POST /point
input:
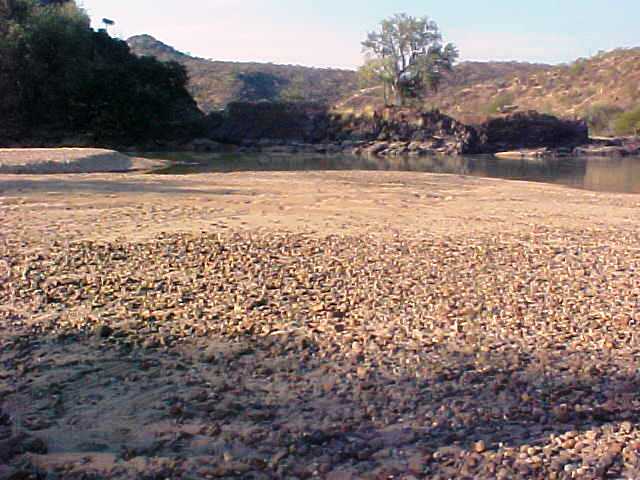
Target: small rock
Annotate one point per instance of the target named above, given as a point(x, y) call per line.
point(417, 464)
point(104, 331)
point(479, 447)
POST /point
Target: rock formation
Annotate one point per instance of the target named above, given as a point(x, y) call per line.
point(390, 131)
point(525, 130)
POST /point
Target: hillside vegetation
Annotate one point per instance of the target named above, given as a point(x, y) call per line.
point(604, 89)
point(464, 74)
point(214, 84)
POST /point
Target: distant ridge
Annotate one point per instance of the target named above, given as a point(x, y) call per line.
point(214, 84)
point(599, 89)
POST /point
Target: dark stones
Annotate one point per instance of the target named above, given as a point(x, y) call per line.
point(406, 131)
point(531, 129)
point(19, 445)
point(300, 127)
point(104, 331)
point(206, 145)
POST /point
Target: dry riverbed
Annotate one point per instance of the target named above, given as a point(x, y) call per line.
point(333, 325)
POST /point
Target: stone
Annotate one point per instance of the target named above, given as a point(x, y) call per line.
point(205, 145)
point(104, 331)
point(417, 464)
point(479, 447)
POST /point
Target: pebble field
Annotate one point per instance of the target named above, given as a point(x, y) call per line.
point(389, 349)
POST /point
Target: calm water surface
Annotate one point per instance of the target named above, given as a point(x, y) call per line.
point(620, 175)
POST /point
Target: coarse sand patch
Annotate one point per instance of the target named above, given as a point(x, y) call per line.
point(70, 160)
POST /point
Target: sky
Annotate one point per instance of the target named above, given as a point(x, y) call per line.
point(328, 33)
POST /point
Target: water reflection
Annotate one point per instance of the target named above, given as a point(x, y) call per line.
point(607, 175)
point(614, 175)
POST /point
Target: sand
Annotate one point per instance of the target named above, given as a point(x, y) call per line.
point(70, 160)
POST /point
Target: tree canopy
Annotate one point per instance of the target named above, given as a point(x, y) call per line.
point(407, 55)
point(61, 78)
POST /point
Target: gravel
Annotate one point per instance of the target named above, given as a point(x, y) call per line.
point(279, 355)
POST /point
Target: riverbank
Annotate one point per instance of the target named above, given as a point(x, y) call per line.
point(70, 160)
point(317, 324)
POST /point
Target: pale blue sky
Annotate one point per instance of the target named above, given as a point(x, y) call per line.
point(328, 32)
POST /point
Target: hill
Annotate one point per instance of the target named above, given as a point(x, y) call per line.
point(214, 84)
point(464, 74)
point(604, 89)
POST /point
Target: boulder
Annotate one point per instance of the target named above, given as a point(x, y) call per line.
point(607, 151)
point(535, 154)
point(408, 125)
point(205, 145)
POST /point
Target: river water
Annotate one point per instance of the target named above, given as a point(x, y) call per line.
point(621, 175)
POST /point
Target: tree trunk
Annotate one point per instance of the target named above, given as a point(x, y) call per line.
point(6, 8)
point(398, 98)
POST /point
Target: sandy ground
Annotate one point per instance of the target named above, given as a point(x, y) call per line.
point(333, 325)
point(70, 160)
point(133, 206)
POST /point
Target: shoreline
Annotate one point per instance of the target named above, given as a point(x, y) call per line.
point(71, 160)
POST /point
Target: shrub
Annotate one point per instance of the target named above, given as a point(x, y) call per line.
point(628, 123)
point(601, 118)
point(578, 67)
point(499, 102)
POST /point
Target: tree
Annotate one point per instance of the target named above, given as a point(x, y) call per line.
point(60, 78)
point(407, 55)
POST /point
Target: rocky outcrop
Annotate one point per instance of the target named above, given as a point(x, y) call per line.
point(250, 122)
point(307, 127)
point(411, 132)
point(610, 147)
point(531, 130)
point(414, 133)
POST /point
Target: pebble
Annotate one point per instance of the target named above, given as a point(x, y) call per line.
point(337, 350)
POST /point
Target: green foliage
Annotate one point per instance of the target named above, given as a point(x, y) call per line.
point(628, 123)
point(601, 118)
point(64, 77)
point(578, 67)
point(499, 102)
point(409, 56)
point(372, 73)
point(260, 86)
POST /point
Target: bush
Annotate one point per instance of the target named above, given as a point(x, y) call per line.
point(628, 123)
point(578, 67)
point(601, 118)
point(499, 102)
